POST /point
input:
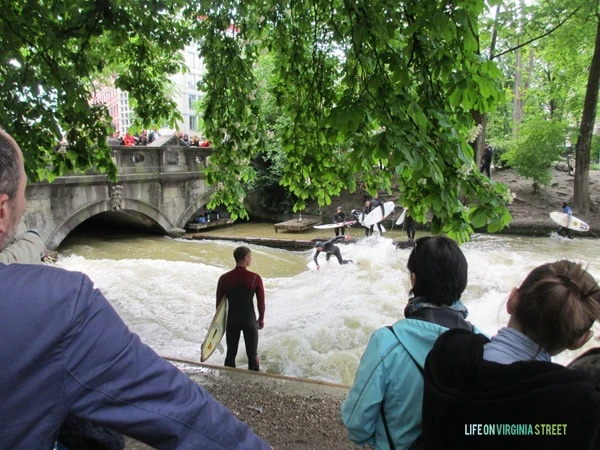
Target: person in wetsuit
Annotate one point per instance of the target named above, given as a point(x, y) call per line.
point(377, 203)
point(564, 231)
point(409, 224)
point(339, 217)
point(240, 285)
point(330, 248)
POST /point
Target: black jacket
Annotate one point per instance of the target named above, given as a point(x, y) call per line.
point(472, 403)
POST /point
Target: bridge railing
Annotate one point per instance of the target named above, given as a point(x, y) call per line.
point(147, 159)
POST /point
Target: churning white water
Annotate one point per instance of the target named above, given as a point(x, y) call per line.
point(317, 324)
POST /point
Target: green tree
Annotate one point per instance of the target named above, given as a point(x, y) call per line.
point(52, 52)
point(536, 151)
point(380, 90)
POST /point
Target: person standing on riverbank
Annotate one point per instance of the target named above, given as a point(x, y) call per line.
point(565, 231)
point(383, 407)
point(74, 355)
point(339, 217)
point(239, 286)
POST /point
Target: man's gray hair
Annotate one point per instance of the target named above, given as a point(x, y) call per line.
point(10, 169)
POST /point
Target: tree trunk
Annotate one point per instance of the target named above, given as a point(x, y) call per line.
point(518, 85)
point(481, 119)
point(517, 101)
point(581, 198)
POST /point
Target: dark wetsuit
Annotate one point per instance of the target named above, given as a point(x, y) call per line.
point(240, 285)
point(339, 217)
point(330, 249)
point(376, 203)
point(409, 224)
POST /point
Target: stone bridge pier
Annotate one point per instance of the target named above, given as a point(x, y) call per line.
point(160, 186)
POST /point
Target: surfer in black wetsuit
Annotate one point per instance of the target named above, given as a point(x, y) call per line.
point(409, 224)
point(377, 203)
point(339, 217)
point(330, 248)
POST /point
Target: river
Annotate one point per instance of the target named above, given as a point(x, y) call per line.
point(317, 324)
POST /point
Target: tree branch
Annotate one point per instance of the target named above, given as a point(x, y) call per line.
point(537, 38)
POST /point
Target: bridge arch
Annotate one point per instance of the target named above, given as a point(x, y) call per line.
point(191, 210)
point(142, 211)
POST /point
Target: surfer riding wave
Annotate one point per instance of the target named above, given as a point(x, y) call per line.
point(330, 248)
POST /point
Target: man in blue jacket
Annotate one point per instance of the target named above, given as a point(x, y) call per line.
point(66, 351)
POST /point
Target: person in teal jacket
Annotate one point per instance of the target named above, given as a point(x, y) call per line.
point(383, 407)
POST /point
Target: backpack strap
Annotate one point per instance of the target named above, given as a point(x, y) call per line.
point(385, 425)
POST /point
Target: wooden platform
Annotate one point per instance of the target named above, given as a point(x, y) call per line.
point(193, 227)
point(297, 224)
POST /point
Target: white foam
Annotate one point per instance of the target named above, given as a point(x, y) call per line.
point(317, 323)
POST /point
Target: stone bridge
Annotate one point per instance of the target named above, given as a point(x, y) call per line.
point(160, 186)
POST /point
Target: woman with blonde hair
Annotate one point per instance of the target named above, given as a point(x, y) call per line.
point(505, 392)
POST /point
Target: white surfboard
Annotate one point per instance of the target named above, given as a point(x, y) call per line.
point(376, 214)
point(562, 219)
point(216, 330)
point(311, 265)
point(401, 218)
point(327, 226)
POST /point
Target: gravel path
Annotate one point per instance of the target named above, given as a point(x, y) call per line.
point(287, 413)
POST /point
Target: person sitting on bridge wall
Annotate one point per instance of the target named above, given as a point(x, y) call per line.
point(74, 355)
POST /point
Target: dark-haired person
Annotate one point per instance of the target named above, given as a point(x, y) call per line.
point(329, 248)
point(509, 382)
point(339, 217)
point(65, 351)
point(240, 285)
point(383, 407)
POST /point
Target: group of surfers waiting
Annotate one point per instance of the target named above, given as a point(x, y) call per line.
point(329, 248)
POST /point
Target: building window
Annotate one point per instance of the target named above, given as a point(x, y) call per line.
point(192, 81)
point(191, 100)
point(192, 122)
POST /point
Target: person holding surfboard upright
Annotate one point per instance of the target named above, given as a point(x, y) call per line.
point(564, 231)
point(383, 407)
point(339, 217)
point(377, 203)
point(330, 248)
point(239, 286)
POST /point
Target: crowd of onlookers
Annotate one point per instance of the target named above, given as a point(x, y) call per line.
point(148, 136)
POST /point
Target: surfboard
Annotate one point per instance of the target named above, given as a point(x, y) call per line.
point(311, 265)
point(562, 219)
point(215, 332)
point(401, 218)
point(327, 226)
point(376, 215)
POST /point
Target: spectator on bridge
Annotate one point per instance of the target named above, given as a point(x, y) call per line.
point(153, 135)
point(128, 139)
point(118, 137)
point(143, 138)
point(185, 140)
point(75, 356)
